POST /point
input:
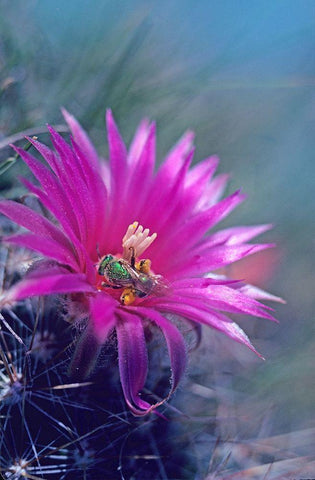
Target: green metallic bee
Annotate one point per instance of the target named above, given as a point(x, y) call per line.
point(134, 277)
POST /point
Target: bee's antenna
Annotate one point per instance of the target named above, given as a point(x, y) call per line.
point(133, 257)
point(98, 251)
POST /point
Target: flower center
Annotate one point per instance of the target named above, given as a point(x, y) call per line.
point(127, 273)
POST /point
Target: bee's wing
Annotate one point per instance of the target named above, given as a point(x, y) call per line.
point(136, 280)
point(125, 282)
point(160, 286)
point(142, 282)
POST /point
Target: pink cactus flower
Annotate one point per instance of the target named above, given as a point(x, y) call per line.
point(129, 246)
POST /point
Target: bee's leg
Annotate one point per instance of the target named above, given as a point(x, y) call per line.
point(128, 296)
point(140, 294)
point(133, 257)
point(144, 266)
point(110, 286)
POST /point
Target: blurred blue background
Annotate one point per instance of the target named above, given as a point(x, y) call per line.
point(242, 76)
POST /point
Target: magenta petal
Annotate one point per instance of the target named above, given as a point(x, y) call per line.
point(57, 210)
point(77, 248)
point(81, 138)
point(52, 189)
point(175, 345)
point(40, 268)
point(84, 182)
point(216, 257)
point(117, 152)
point(194, 228)
point(80, 190)
point(138, 142)
point(102, 310)
point(67, 196)
point(171, 175)
point(36, 223)
point(73, 183)
point(45, 283)
point(210, 217)
point(219, 297)
point(234, 331)
point(62, 187)
point(174, 160)
point(50, 156)
point(168, 202)
point(196, 182)
point(133, 361)
point(139, 182)
point(214, 191)
point(61, 216)
point(188, 283)
point(216, 320)
point(119, 175)
point(202, 171)
point(47, 247)
point(86, 353)
point(174, 206)
point(96, 198)
point(224, 324)
point(259, 294)
point(233, 236)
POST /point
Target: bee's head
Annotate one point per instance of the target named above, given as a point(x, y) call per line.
point(103, 264)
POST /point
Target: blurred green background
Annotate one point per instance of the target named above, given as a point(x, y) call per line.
point(242, 76)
